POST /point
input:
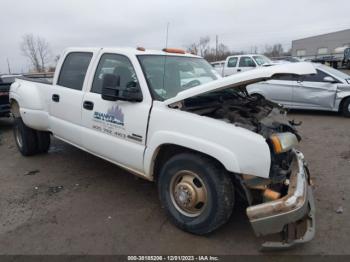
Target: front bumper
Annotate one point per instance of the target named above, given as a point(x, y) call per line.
point(293, 215)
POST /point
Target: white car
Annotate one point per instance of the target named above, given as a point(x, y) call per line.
point(240, 63)
point(328, 89)
point(165, 116)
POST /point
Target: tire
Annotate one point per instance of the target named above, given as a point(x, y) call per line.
point(207, 178)
point(25, 137)
point(44, 141)
point(345, 107)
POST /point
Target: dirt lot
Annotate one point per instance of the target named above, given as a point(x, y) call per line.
point(75, 203)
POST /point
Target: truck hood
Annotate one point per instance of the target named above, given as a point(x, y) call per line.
point(244, 78)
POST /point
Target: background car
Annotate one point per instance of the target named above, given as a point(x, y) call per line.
point(5, 83)
point(329, 89)
point(240, 63)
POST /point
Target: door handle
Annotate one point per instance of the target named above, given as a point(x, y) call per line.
point(88, 105)
point(239, 70)
point(55, 98)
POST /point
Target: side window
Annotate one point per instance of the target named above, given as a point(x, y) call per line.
point(246, 61)
point(286, 77)
point(74, 69)
point(315, 77)
point(117, 65)
point(232, 62)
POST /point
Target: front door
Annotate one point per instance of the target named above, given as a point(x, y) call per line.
point(115, 130)
point(245, 63)
point(314, 92)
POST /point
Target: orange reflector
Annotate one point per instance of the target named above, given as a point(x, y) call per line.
point(271, 195)
point(141, 48)
point(276, 144)
point(174, 50)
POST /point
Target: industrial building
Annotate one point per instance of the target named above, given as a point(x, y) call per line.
point(321, 45)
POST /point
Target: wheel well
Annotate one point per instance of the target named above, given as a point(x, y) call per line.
point(166, 151)
point(342, 102)
point(14, 108)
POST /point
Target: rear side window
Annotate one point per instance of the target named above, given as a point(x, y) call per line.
point(286, 77)
point(232, 62)
point(74, 69)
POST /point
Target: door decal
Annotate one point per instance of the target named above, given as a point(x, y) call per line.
point(114, 115)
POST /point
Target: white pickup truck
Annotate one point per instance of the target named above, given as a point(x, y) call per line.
point(240, 63)
point(167, 117)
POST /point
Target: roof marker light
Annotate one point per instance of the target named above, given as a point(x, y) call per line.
point(174, 50)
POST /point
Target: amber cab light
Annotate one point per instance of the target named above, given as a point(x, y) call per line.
point(174, 50)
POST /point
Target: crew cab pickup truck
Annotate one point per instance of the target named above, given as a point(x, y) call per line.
point(167, 117)
point(240, 63)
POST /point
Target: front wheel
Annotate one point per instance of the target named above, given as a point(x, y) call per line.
point(345, 109)
point(196, 192)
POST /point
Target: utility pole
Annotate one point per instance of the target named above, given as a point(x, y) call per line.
point(216, 47)
point(167, 35)
point(8, 66)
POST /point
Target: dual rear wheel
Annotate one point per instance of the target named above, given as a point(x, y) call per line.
point(30, 141)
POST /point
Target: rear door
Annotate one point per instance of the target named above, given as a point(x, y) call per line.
point(314, 92)
point(67, 95)
point(230, 67)
point(245, 63)
point(116, 130)
point(279, 89)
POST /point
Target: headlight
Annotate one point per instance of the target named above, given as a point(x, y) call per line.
point(283, 142)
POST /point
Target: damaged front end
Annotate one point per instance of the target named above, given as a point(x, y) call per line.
point(292, 215)
point(283, 203)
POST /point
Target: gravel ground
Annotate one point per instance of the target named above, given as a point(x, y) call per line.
point(70, 202)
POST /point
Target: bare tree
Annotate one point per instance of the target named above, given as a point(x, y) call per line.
point(203, 45)
point(274, 51)
point(37, 50)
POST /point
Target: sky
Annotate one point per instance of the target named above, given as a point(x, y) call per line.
point(239, 24)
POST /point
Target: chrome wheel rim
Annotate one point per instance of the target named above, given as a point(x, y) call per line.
point(188, 193)
point(18, 136)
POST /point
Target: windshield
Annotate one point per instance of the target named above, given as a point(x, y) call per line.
point(334, 72)
point(260, 60)
point(169, 75)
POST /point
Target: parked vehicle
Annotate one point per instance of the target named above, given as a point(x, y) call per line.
point(240, 63)
point(165, 116)
point(5, 83)
point(340, 57)
point(328, 89)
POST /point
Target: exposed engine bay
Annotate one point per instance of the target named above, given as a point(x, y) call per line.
point(238, 107)
point(254, 113)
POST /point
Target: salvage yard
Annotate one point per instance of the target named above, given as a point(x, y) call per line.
point(70, 202)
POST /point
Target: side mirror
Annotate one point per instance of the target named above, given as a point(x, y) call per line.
point(329, 79)
point(111, 90)
point(110, 86)
point(132, 92)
